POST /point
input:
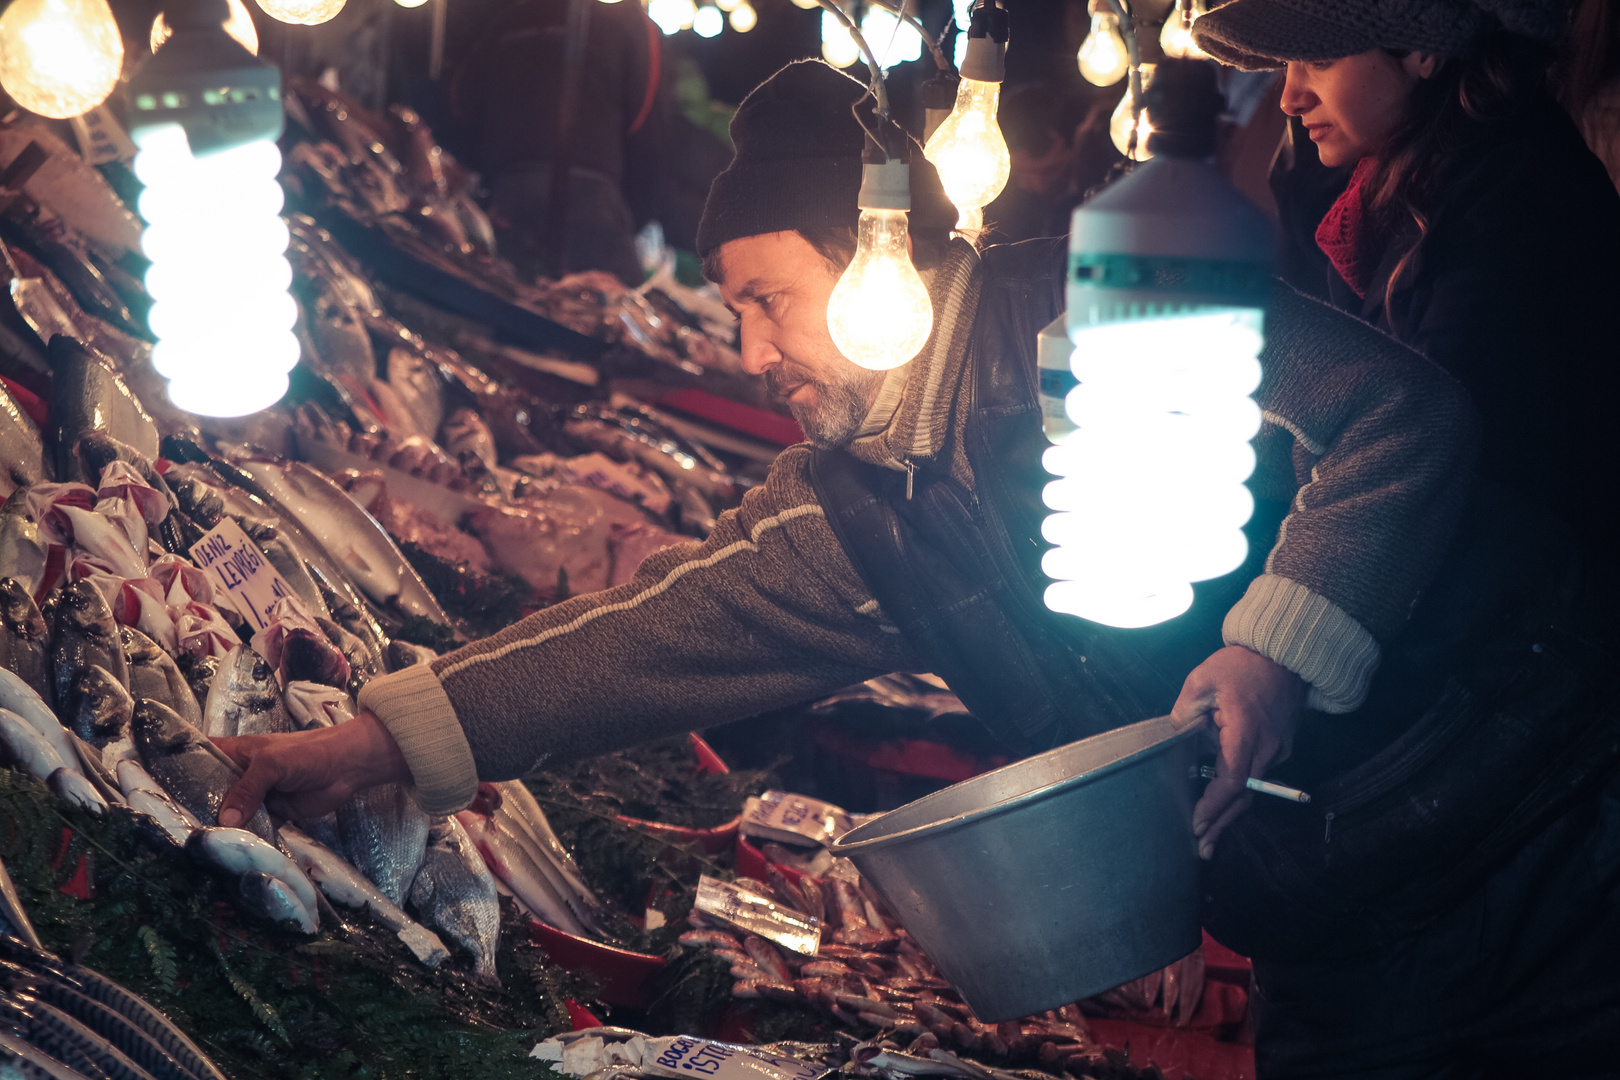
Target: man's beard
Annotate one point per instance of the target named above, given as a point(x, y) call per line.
point(841, 405)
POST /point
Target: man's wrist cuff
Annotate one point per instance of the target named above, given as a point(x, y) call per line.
point(1309, 635)
point(417, 712)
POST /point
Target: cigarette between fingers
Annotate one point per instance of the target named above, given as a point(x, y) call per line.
point(1264, 787)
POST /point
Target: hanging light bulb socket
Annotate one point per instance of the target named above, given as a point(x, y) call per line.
point(206, 82)
point(938, 95)
point(986, 59)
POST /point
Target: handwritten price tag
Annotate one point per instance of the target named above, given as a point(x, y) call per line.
point(241, 571)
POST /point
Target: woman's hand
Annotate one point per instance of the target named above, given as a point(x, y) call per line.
point(1255, 705)
point(310, 773)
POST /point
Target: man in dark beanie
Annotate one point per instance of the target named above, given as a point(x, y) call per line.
point(905, 535)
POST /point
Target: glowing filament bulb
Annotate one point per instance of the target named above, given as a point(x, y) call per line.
point(1150, 496)
point(879, 312)
point(969, 151)
point(1127, 120)
point(59, 58)
point(1176, 38)
point(744, 18)
point(301, 12)
point(1103, 60)
point(239, 26)
point(219, 274)
point(807, 5)
point(708, 22)
point(838, 46)
point(419, 3)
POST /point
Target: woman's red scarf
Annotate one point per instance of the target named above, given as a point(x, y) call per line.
point(1342, 235)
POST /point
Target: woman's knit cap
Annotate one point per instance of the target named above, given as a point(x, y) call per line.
point(798, 161)
point(1259, 34)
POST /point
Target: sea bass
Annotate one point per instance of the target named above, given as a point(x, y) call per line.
point(346, 886)
point(154, 674)
point(384, 834)
point(99, 711)
point(244, 699)
point(237, 851)
point(183, 760)
point(147, 796)
point(455, 893)
point(84, 634)
point(24, 637)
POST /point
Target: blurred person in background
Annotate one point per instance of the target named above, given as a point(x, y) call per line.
point(1044, 188)
point(1589, 79)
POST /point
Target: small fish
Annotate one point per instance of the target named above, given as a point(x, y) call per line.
point(22, 744)
point(345, 885)
point(154, 674)
point(244, 699)
point(67, 1040)
point(271, 898)
point(188, 766)
point(384, 834)
point(24, 637)
point(122, 1031)
point(23, 702)
point(147, 796)
point(519, 801)
point(87, 395)
point(237, 851)
point(455, 893)
point(22, 550)
point(84, 634)
point(200, 672)
point(584, 904)
point(70, 784)
point(99, 708)
point(509, 862)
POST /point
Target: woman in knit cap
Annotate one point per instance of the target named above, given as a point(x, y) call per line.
point(1432, 186)
point(1451, 911)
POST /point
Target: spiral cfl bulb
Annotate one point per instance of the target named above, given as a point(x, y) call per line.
point(968, 149)
point(239, 26)
point(302, 12)
point(1102, 56)
point(219, 274)
point(59, 58)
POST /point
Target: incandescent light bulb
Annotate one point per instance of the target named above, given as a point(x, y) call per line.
point(744, 18)
point(419, 3)
point(1103, 59)
point(1176, 38)
point(968, 149)
point(59, 58)
point(239, 26)
point(1125, 120)
point(807, 5)
point(301, 12)
point(879, 312)
point(707, 22)
point(838, 46)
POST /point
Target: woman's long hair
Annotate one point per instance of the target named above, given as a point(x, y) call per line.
point(1452, 112)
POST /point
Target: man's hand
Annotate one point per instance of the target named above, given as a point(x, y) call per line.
point(1255, 705)
point(309, 773)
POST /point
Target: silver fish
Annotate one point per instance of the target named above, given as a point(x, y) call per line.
point(455, 893)
point(200, 673)
point(122, 1031)
point(147, 796)
point(154, 674)
point(23, 1061)
point(99, 708)
point(88, 395)
point(511, 863)
point(581, 901)
point(22, 451)
point(70, 784)
point(83, 634)
point(345, 885)
point(22, 551)
point(244, 698)
point(237, 851)
point(519, 801)
point(188, 766)
point(271, 898)
point(384, 834)
point(70, 1042)
point(20, 743)
point(28, 706)
point(363, 666)
point(350, 536)
point(24, 637)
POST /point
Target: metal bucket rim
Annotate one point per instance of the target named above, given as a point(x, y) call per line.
point(844, 846)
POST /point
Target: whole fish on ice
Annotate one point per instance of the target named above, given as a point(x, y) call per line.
point(244, 699)
point(455, 893)
point(21, 701)
point(154, 674)
point(24, 637)
point(84, 633)
point(237, 851)
point(22, 548)
point(99, 711)
point(182, 759)
point(147, 796)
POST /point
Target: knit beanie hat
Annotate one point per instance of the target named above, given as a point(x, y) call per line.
point(1258, 34)
point(798, 161)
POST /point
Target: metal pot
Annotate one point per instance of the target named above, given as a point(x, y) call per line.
point(1050, 879)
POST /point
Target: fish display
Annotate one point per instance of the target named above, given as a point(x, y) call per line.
point(22, 550)
point(154, 674)
point(384, 834)
point(89, 395)
point(72, 785)
point(182, 759)
point(147, 796)
point(238, 851)
point(24, 637)
point(22, 451)
point(454, 891)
